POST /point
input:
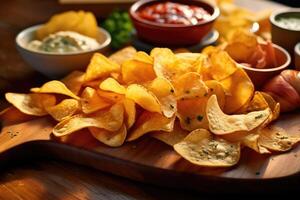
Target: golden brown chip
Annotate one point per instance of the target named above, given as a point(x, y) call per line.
point(91, 101)
point(258, 102)
point(123, 55)
point(202, 149)
point(136, 71)
point(149, 122)
point(275, 138)
point(54, 87)
point(222, 124)
point(31, 104)
point(66, 108)
point(100, 67)
point(143, 97)
point(239, 89)
point(192, 112)
point(74, 81)
point(112, 139)
point(112, 85)
point(110, 120)
point(190, 85)
point(130, 112)
point(110, 96)
point(164, 91)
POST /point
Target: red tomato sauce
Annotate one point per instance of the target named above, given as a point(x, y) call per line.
point(174, 13)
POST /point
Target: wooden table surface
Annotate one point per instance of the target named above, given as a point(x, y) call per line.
point(49, 179)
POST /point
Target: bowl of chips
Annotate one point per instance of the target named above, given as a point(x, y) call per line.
point(61, 45)
point(169, 26)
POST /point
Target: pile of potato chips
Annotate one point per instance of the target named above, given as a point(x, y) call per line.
point(202, 104)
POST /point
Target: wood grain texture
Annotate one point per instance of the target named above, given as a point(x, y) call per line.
point(148, 160)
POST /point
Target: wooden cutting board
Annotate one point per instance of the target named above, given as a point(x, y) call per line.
point(148, 160)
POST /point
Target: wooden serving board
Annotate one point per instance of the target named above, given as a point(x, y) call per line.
point(151, 161)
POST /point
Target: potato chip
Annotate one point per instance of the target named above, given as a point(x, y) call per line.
point(130, 112)
point(148, 122)
point(81, 22)
point(112, 85)
point(222, 66)
point(240, 90)
point(112, 139)
point(134, 71)
point(190, 85)
point(274, 106)
point(74, 81)
point(251, 141)
point(221, 124)
point(100, 67)
point(91, 101)
point(111, 96)
point(66, 108)
point(275, 138)
point(111, 120)
point(192, 112)
point(202, 149)
point(164, 91)
point(31, 104)
point(258, 102)
point(55, 87)
point(143, 97)
point(123, 55)
point(173, 137)
point(143, 57)
point(165, 63)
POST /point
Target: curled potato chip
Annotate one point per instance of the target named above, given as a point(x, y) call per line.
point(143, 97)
point(110, 120)
point(66, 108)
point(164, 91)
point(130, 112)
point(74, 81)
point(240, 90)
point(251, 141)
point(55, 87)
point(275, 138)
point(91, 101)
point(136, 71)
point(173, 137)
point(148, 122)
point(123, 55)
point(222, 66)
point(112, 139)
point(100, 67)
point(221, 124)
point(112, 85)
point(190, 85)
point(192, 112)
point(201, 148)
point(31, 104)
point(273, 105)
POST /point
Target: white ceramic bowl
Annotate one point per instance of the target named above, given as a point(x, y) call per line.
point(54, 65)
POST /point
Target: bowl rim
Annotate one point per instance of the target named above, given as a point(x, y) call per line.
point(33, 28)
point(134, 7)
point(281, 67)
point(282, 11)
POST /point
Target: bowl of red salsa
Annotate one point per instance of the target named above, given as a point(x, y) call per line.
point(173, 22)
